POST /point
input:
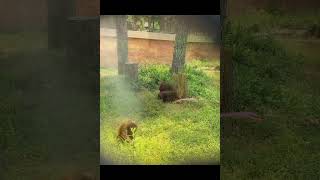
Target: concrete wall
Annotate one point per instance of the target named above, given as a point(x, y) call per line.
point(153, 48)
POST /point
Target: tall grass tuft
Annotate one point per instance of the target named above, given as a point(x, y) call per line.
point(180, 80)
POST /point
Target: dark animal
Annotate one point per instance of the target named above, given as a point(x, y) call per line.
point(125, 131)
point(165, 86)
point(167, 92)
point(167, 96)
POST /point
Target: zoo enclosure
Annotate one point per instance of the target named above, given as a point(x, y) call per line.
point(154, 48)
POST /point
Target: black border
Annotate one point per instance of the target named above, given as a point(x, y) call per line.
point(160, 172)
point(159, 7)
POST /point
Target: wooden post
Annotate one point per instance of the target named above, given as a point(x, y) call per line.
point(131, 70)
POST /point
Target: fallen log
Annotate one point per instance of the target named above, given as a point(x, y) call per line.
point(242, 115)
point(186, 100)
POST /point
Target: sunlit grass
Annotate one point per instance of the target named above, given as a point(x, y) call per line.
point(167, 139)
point(167, 133)
point(108, 72)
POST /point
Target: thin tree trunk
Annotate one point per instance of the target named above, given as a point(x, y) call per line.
point(134, 23)
point(224, 7)
point(122, 42)
point(153, 19)
point(54, 24)
point(162, 23)
point(149, 24)
point(180, 47)
point(167, 24)
point(226, 81)
point(226, 67)
point(58, 12)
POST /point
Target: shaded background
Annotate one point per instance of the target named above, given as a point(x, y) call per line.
point(270, 66)
point(49, 60)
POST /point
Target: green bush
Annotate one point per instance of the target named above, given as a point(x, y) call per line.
point(150, 76)
point(151, 105)
point(259, 63)
point(199, 83)
point(264, 20)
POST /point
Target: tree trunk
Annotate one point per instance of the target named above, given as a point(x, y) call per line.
point(153, 24)
point(167, 24)
point(162, 23)
point(83, 41)
point(150, 24)
point(180, 47)
point(58, 12)
point(226, 67)
point(134, 23)
point(122, 42)
point(226, 81)
point(224, 8)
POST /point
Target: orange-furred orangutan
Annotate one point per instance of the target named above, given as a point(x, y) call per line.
point(167, 92)
point(125, 131)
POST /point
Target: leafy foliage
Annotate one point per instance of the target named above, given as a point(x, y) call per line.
point(268, 78)
point(264, 20)
point(138, 22)
point(150, 76)
point(200, 84)
point(259, 63)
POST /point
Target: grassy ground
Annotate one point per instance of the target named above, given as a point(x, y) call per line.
point(285, 145)
point(265, 20)
point(167, 133)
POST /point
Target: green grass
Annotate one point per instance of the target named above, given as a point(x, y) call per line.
point(264, 21)
point(22, 42)
point(167, 133)
point(285, 145)
point(307, 47)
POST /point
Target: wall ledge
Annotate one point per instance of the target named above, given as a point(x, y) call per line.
point(107, 32)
